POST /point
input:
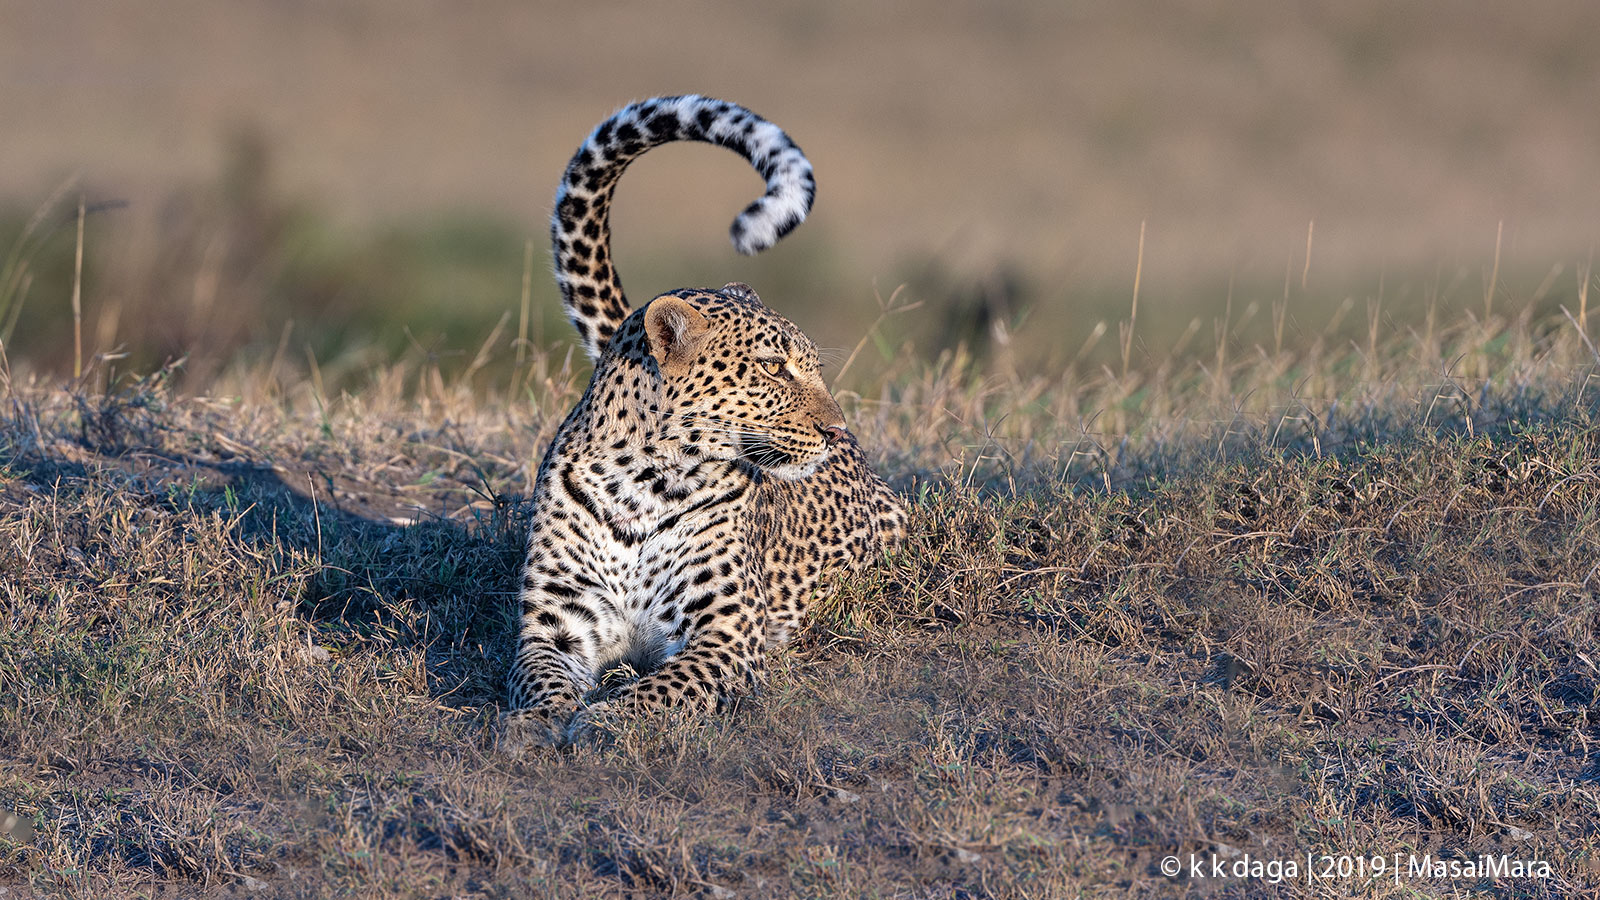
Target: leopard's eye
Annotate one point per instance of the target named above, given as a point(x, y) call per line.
point(773, 367)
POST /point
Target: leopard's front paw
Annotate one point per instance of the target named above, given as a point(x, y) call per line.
point(595, 723)
point(520, 730)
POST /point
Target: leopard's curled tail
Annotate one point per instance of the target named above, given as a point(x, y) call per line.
point(580, 228)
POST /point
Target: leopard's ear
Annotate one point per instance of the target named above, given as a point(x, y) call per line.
point(675, 330)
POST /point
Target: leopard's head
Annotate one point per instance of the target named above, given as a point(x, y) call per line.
point(741, 382)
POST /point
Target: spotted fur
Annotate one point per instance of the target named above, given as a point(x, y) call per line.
point(704, 489)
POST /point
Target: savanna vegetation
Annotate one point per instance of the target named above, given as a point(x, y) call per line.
point(1316, 574)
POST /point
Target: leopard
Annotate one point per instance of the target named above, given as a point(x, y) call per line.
point(704, 491)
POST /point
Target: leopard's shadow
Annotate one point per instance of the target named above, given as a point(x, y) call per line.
point(381, 570)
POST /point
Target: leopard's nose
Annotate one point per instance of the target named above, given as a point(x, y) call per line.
point(833, 434)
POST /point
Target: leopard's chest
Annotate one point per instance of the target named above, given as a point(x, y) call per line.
point(651, 532)
point(662, 559)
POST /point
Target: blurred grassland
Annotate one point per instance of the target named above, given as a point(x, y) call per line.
point(372, 170)
point(242, 276)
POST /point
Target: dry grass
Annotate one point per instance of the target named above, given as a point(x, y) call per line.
point(1273, 600)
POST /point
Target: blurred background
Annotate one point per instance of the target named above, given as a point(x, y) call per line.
point(352, 182)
